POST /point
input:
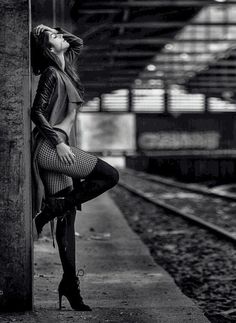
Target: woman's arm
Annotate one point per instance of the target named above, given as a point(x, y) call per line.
point(76, 44)
point(39, 111)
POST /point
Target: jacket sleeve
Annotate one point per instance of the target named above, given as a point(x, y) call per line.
point(76, 44)
point(40, 111)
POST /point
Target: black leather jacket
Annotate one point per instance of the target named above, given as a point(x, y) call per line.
point(46, 94)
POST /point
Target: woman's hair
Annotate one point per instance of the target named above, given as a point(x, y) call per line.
point(42, 57)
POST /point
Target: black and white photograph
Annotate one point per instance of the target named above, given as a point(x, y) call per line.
point(118, 161)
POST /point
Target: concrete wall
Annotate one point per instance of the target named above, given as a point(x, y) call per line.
point(15, 184)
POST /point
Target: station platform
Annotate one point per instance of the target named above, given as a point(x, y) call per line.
point(121, 283)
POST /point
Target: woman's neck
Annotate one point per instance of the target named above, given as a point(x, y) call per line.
point(62, 60)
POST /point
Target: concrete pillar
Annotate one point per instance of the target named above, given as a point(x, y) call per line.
point(15, 160)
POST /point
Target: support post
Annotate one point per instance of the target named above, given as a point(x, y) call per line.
point(16, 270)
point(166, 100)
point(130, 100)
point(101, 103)
point(206, 104)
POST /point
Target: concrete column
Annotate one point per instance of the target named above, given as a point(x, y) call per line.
point(15, 160)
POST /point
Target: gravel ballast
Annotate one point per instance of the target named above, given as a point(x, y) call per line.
point(202, 265)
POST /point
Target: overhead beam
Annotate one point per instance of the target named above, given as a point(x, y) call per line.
point(115, 64)
point(160, 63)
point(212, 83)
point(161, 24)
point(116, 72)
point(203, 72)
point(206, 90)
point(218, 72)
point(154, 4)
point(155, 41)
point(90, 49)
point(166, 74)
point(135, 53)
point(159, 40)
point(211, 78)
point(214, 71)
point(182, 64)
point(98, 11)
point(119, 54)
point(106, 85)
point(105, 68)
point(203, 79)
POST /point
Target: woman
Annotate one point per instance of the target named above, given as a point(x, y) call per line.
point(58, 165)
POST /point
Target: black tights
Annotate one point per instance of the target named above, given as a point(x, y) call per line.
point(102, 178)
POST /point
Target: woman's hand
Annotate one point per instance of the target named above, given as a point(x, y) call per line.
point(41, 28)
point(65, 154)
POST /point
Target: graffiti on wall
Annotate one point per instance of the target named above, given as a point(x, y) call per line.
point(179, 140)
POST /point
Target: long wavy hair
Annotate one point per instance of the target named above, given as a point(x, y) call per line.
point(42, 57)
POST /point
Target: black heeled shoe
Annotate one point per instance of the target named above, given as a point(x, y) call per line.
point(54, 207)
point(70, 289)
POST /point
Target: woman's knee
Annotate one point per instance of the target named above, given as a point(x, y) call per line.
point(106, 172)
point(114, 176)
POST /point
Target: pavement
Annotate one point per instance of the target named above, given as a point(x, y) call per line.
point(121, 282)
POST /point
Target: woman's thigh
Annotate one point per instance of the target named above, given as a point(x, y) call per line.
point(55, 182)
point(48, 159)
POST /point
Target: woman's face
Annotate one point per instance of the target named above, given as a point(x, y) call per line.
point(57, 42)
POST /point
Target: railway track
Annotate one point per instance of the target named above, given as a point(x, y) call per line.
point(211, 210)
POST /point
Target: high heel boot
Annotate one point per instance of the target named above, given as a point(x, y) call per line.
point(53, 207)
point(69, 287)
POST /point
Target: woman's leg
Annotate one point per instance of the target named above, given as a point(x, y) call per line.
point(102, 178)
point(58, 185)
point(65, 236)
point(98, 175)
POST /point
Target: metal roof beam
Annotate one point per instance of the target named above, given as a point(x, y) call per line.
point(209, 79)
point(98, 11)
point(106, 85)
point(105, 71)
point(206, 91)
point(135, 53)
point(153, 4)
point(212, 71)
point(117, 72)
point(99, 50)
point(157, 41)
point(161, 24)
point(212, 83)
point(119, 54)
point(161, 64)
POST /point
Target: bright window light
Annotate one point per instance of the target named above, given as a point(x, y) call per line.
point(151, 68)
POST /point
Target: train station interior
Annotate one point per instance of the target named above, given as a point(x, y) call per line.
point(159, 81)
point(164, 70)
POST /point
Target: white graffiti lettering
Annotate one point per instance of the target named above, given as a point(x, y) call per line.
point(179, 140)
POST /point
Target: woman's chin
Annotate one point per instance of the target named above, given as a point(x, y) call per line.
point(67, 45)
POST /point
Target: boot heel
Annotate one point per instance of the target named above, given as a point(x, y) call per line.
point(38, 225)
point(60, 300)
